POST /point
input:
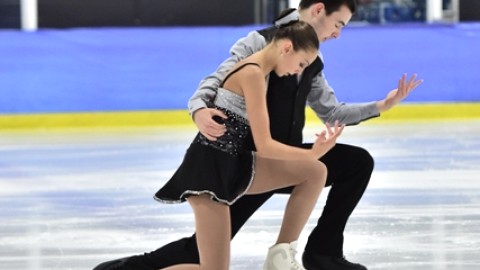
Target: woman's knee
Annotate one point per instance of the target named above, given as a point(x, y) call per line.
point(322, 173)
point(318, 172)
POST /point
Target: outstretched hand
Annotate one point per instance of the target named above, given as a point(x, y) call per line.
point(203, 118)
point(396, 96)
point(327, 139)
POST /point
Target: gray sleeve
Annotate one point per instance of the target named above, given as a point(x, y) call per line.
point(207, 88)
point(324, 103)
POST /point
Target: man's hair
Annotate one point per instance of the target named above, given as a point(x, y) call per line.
point(301, 34)
point(330, 5)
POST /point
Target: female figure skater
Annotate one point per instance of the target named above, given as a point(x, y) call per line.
point(214, 174)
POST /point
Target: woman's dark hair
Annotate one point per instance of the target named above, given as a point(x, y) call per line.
point(301, 34)
point(330, 5)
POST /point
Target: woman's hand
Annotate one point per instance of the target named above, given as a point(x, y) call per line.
point(326, 140)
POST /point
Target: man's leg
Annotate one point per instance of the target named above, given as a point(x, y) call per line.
point(185, 250)
point(349, 171)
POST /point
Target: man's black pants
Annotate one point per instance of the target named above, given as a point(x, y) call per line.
point(349, 171)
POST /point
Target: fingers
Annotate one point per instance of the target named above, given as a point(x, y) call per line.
point(333, 132)
point(324, 143)
point(412, 80)
point(329, 128)
point(401, 83)
point(218, 113)
point(416, 84)
point(413, 83)
point(322, 135)
point(338, 129)
point(209, 137)
point(406, 87)
point(213, 129)
point(210, 128)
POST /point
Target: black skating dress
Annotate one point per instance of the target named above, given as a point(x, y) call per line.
point(223, 169)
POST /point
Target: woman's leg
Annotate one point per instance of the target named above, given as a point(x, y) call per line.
point(308, 178)
point(212, 224)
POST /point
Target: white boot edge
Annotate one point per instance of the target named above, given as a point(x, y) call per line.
point(282, 257)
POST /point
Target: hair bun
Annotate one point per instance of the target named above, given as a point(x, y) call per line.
point(287, 15)
point(286, 24)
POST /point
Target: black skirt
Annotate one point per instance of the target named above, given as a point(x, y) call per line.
point(207, 170)
point(223, 169)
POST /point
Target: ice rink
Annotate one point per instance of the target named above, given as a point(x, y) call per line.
point(70, 199)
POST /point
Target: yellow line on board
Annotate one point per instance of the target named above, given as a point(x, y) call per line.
point(402, 112)
point(96, 119)
point(422, 112)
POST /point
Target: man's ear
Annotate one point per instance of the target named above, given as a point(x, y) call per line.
point(317, 8)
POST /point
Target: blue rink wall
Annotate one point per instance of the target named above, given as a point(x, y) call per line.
point(151, 69)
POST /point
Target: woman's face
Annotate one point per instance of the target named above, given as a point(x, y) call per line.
point(294, 62)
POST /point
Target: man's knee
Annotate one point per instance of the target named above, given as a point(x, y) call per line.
point(348, 164)
point(364, 158)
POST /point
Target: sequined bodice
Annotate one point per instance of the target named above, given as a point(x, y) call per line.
point(234, 141)
point(232, 102)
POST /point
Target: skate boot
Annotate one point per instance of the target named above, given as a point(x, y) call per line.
point(282, 257)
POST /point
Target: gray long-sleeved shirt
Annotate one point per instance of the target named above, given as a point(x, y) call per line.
point(321, 97)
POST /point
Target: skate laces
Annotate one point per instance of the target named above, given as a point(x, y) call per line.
point(295, 264)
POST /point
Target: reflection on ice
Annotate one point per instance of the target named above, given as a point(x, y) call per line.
point(70, 199)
